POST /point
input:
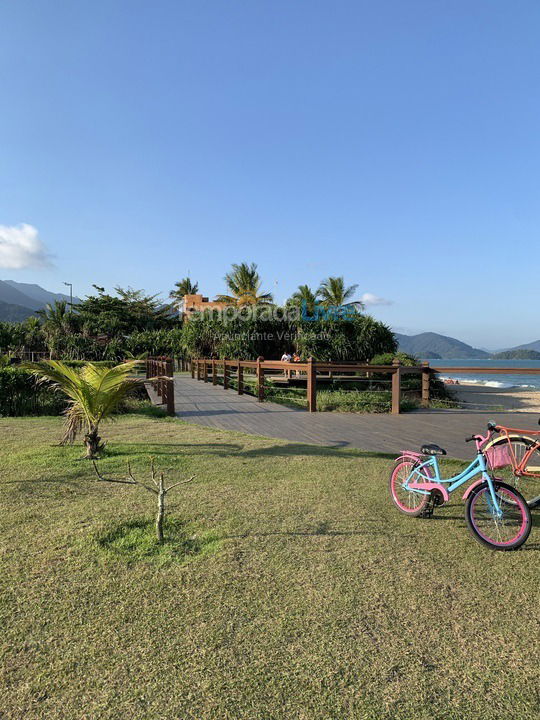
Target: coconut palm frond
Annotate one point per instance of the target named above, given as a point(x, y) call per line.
point(184, 287)
point(304, 295)
point(94, 392)
point(333, 291)
point(73, 423)
point(244, 283)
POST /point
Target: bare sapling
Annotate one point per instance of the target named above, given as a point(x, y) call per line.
point(159, 488)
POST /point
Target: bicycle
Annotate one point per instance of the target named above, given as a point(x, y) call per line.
point(515, 454)
point(496, 513)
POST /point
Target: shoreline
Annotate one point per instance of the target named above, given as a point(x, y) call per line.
point(484, 397)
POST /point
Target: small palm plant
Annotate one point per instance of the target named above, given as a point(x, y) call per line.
point(94, 394)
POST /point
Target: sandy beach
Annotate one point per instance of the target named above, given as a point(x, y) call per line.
point(480, 397)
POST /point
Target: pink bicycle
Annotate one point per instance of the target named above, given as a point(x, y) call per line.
point(497, 514)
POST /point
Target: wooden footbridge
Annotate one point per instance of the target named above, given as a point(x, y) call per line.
point(217, 406)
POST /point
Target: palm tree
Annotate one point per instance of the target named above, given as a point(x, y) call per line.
point(305, 297)
point(94, 394)
point(244, 283)
point(56, 318)
point(183, 287)
point(334, 292)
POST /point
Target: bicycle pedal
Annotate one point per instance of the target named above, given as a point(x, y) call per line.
point(427, 512)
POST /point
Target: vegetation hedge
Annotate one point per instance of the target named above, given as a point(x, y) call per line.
point(21, 395)
point(357, 338)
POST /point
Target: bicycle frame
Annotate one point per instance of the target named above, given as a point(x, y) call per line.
point(420, 480)
point(520, 468)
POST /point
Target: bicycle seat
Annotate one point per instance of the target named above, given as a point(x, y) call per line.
point(432, 449)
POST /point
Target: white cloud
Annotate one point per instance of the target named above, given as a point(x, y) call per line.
point(371, 299)
point(20, 247)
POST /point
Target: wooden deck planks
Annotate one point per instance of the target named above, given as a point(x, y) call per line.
point(205, 404)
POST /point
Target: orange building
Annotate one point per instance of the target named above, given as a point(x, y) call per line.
point(197, 303)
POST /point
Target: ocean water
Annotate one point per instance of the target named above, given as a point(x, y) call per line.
point(516, 379)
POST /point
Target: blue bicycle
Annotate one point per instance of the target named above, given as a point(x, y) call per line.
point(497, 514)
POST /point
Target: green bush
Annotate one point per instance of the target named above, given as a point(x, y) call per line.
point(21, 395)
point(355, 338)
point(388, 359)
point(82, 363)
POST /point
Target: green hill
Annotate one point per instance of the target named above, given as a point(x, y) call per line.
point(13, 313)
point(441, 347)
point(518, 354)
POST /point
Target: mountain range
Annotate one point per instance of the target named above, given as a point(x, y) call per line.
point(529, 346)
point(442, 347)
point(21, 300)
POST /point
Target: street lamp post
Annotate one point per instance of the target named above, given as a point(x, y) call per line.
point(70, 286)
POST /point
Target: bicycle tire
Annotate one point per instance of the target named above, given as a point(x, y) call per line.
point(506, 533)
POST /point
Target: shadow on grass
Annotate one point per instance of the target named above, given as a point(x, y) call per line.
point(226, 449)
point(340, 448)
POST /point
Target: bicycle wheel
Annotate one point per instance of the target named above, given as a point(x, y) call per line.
point(528, 486)
point(410, 502)
point(507, 532)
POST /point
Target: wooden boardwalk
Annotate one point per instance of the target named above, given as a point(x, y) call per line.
point(204, 404)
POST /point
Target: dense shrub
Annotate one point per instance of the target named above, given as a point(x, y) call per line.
point(388, 359)
point(357, 338)
point(155, 342)
point(21, 395)
point(75, 347)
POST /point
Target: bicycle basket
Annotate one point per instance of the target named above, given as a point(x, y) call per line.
point(499, 456)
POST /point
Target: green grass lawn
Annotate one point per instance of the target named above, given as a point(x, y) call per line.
point(304, 595)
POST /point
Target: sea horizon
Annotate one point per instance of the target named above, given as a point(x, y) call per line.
point(495, 380)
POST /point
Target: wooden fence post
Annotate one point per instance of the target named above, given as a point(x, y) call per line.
point(169, 385)
point(214, 372)
point(225, 375)
point(396, 387)
point(205, 370)
point(260, 379)
point(312, 386)
point(240, 378)
point(425, 384)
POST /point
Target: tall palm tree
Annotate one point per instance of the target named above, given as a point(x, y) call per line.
point(244, 283)
point(304, 296)
point(183, 287)
point(94, 394)
point(334, 292)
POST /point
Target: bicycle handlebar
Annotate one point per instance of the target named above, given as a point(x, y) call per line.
point(480, 438)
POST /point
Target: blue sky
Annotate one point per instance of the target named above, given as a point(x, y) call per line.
point(395, 143)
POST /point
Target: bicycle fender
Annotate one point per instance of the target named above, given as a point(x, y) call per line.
point(471, 488)
point(409, 455)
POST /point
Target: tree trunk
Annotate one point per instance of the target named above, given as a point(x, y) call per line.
point(161, 510)
point(92, 442)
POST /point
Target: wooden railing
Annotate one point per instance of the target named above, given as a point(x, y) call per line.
point(160, 370)
point(207, 370)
